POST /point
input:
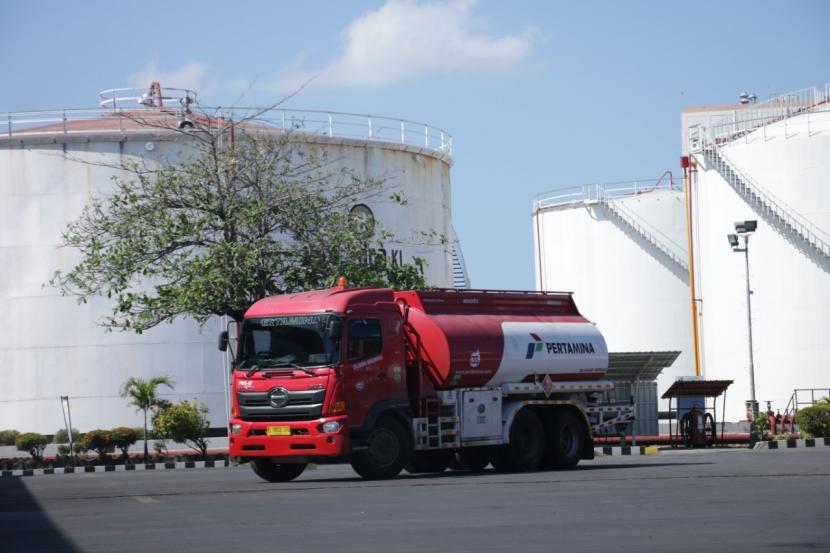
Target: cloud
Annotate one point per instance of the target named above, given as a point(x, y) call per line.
point(405, 40)
point(191, 76)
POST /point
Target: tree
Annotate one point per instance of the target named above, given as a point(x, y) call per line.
point(33, 443)
point(123, 437)
point(184, 422)
point(249, 214)
point(142, 395)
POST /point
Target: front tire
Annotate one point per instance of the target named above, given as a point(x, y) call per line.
point(268, 470)
point(387, 451)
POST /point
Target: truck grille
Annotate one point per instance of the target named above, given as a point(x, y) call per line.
point(301, 405)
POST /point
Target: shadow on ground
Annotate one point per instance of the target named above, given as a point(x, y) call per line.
point(24, 526)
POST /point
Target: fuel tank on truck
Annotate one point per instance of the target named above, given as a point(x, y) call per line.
point(473, 338)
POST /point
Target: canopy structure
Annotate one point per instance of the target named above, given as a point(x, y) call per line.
point(631, 366)
point(697, 388)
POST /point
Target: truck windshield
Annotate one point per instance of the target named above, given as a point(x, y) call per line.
point(299, 340)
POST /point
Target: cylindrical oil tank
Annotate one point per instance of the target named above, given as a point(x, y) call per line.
point(786, 156)
point(621, 249)
point(50, 166)
point(477, 338)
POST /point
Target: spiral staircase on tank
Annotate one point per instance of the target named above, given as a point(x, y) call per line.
point(707, 147)
point(460, 278)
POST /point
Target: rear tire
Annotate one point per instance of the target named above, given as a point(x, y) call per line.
point(268, 470)
point(388, 449)
point(429, 461)
point(527, 445)
point(564, 440)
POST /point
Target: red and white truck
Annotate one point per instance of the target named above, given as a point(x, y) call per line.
point(417, 380)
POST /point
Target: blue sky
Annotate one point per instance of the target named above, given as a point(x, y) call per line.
point(537, 95)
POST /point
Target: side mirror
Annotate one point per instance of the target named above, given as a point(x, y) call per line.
point(336, 329)
point(223, 340)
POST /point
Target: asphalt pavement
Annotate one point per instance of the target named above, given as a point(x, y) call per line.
point(723, 500)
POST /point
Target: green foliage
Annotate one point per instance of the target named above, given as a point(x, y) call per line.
point(123, 437)
point(32, 443)
point(8, 437)
point(62, 437)
point(814, 420)
point(184, 422)
point(100, 441)
point(760, 428)
point(237, 221)
point(143, 394)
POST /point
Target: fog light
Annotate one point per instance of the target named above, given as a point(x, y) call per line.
point(330, 427)
point(236, 429)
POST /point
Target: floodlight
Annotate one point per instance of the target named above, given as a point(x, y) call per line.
point(733, 240)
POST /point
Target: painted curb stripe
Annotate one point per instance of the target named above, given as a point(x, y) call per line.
point(17, 473)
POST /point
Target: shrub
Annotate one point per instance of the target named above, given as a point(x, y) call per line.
point(123, 437)
point(62, 437)
point(8, 437)
point(760, 428)
point(99, 441)
point(814, 420)
point(184, 422)
point(33, 443)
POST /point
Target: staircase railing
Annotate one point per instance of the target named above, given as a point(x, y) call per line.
point(794, 403)
point(644, 229)
point(775, 209)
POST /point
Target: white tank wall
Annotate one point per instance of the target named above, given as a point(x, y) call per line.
point(50, 345)
point(791, 299)
point(637, 297)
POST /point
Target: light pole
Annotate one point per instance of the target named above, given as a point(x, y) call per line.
point(743, 230)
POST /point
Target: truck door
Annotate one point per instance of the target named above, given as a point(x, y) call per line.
point(374, 365)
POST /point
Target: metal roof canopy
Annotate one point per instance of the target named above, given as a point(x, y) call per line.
point(630, 366)
point(705, 388)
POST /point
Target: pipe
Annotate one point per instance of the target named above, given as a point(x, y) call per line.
point(687, 189)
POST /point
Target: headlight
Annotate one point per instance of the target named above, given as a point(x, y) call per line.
point(330, 427)
point(236, 429)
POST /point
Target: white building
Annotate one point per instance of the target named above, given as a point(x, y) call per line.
point(51, 163)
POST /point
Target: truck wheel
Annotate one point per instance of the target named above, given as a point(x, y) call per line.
point(429, 461)
point(527, 445)
point(564, 439)
point(266, 469)
point(473, 459)
point(387, 451)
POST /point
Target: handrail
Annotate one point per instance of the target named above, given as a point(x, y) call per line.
point(334, 124)
point(793, 404)
point(815, 236)
point(593, 192)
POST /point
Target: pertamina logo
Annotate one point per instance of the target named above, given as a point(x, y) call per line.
point(557, 348)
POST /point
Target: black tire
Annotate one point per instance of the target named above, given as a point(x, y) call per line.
point(387, 450)
point(564, 440)
point(429, 461)
point(526, 449)
point(473, 459)
point(268, 470)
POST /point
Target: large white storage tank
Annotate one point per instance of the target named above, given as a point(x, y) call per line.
point(50, 165)
point(768, 162)
point(621, 248)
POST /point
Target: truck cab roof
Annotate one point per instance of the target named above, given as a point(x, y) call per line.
point(331, 300)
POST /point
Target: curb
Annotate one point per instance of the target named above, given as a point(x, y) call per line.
point(794, 444)
point(626, 450)
point(116, 468)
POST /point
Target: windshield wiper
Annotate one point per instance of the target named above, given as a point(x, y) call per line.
point(266, 364)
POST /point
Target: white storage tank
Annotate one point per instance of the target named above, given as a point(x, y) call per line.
point(51, 163)
point(621, 249)
point(769, 163)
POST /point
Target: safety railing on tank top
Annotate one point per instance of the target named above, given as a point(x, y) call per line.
point(595, 192)
point(783, 107)
point(116, 114)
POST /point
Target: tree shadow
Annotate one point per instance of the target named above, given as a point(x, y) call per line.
point(24, 525)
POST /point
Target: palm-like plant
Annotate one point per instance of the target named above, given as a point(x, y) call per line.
point(142, 394)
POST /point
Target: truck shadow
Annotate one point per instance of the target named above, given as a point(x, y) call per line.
point(24, 526)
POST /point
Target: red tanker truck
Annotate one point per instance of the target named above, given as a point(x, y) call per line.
point(419, 380)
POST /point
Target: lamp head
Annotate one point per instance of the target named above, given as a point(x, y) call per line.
point(733, 240)
point(745, 227)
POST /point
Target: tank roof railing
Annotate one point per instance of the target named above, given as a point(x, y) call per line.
point(592, 193)
point(332, 124)
point(782, 107)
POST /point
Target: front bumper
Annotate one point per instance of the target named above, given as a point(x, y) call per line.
point(306, 439)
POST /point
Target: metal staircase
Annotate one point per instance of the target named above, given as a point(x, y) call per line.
point(806, 235)
point(646, 231)
point(460, 279)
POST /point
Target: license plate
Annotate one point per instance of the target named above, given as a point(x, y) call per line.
point(278, 431)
